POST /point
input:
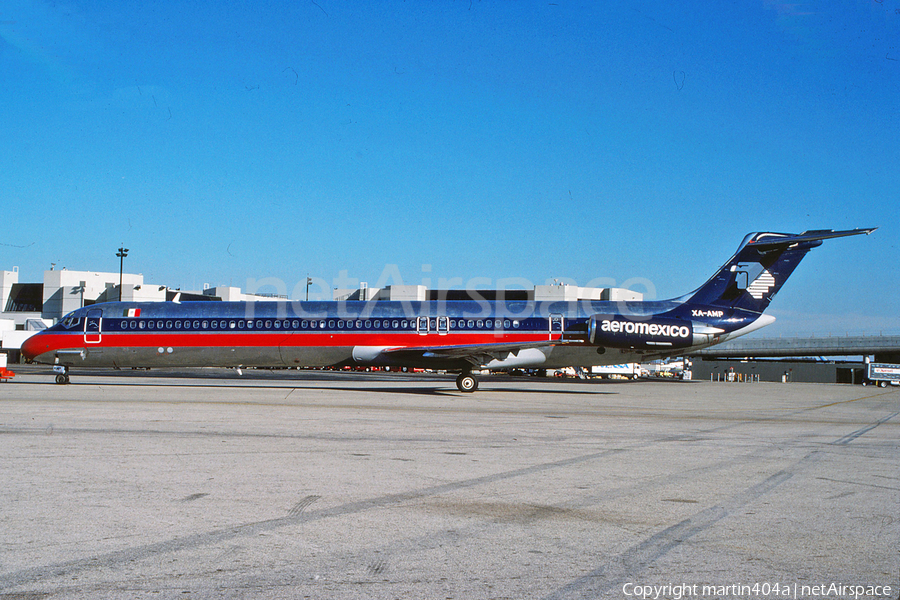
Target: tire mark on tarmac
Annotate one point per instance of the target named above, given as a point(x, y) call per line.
point(296, 516)
point(607, 576)
point(616, 571)
point(679, 532)
point(863, 430)
point(500, 514)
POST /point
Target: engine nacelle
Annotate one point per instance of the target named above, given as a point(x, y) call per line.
point(616, 331)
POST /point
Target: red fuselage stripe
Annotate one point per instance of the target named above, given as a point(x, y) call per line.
point(272, 340)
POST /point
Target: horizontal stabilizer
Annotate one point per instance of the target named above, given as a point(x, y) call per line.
point(764, 240)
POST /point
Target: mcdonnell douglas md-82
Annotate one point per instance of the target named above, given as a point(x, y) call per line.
point(497, 331)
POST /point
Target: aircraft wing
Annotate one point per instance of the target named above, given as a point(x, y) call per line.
point(475, 354)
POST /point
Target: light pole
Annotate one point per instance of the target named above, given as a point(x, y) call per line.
point(122, 253)
point(308, 281)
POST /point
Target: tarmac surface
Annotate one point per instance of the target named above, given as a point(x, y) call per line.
point(287, 484)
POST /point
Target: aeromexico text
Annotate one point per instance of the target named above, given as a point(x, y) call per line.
point(635, 332)
point(676, 331)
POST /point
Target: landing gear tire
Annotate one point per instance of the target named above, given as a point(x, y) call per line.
point(466, 382)
point(62, 379)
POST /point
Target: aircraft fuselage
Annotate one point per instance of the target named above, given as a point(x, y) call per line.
point(315, 334)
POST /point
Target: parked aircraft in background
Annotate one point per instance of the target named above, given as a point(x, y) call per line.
point(498, 330)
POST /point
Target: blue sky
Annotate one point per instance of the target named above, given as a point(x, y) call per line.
point(467, 141)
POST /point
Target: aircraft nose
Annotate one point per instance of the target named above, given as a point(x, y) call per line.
point(34, 346)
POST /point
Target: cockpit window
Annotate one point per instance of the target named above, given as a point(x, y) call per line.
point(71, 321)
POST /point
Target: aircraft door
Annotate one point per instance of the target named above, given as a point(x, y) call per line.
point(92, 326)
point(556, 325)
point(422, 325)
point(425, 325)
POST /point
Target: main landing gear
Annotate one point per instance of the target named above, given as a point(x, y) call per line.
point(62, 374)
point(466, 382)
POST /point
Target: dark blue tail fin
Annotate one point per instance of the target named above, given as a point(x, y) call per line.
point(761, 265)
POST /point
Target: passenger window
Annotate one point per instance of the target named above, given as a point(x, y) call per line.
point(177, 324)
point(150, 324)
point(205, 324)
point(214, 324)
point(196, 324)
point(277, 324)
point(240, 324)
point(295, 324)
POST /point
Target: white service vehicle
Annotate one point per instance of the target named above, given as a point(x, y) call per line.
point(625, 371)
point(882, 374)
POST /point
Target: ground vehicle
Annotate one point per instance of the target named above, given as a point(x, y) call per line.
point(624, 371)
point(882, 374)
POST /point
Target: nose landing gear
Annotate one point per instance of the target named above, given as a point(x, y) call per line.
point(62, 374)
